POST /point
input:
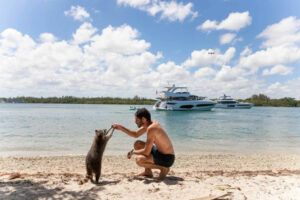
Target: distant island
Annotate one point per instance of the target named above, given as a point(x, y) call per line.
point(80, 100)
point(263, 100)
point(257, 100)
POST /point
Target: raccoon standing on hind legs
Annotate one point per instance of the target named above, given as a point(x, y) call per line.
point(93, 161)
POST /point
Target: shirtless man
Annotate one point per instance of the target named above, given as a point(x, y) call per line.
point(157, 152)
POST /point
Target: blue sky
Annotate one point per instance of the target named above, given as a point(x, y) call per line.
point(133, 47)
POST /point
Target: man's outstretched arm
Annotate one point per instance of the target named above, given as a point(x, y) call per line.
point(129, 132)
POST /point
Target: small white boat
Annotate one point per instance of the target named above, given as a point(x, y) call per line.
point(133, 108)
point(228, 102)
point(179, 99)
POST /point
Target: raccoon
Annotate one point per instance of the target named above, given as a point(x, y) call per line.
point(93, 161)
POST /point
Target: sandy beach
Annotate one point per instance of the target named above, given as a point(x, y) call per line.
point(235, 176)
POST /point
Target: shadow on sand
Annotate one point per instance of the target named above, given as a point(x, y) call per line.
point(102, 183)
point(32, 190)
point(169, 180)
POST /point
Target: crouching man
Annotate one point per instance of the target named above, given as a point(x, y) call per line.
point(157, 152)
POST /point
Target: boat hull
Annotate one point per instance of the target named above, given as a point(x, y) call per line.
point(184, 105)
point(235, 106)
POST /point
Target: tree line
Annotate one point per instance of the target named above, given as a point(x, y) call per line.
point(80, 100)
point(257, 100)
point(263, 100)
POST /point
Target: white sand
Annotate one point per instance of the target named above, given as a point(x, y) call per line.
point(248, 176)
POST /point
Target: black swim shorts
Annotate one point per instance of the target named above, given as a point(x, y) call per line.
point(165, 160)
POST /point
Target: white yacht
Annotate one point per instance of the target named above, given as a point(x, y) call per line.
point(179, 98)
point(228, 102)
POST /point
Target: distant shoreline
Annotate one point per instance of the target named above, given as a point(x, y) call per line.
point(80, 100)
point(111, 103)
point(82, 103)
point(257, 100)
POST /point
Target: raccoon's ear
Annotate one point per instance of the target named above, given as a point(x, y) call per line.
point(96, 132)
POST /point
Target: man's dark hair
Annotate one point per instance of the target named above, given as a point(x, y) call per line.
point(143, 112)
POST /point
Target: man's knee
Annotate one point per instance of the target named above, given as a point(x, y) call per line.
point(140, 160)
point(139, 145)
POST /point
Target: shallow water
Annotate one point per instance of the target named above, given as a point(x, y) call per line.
point(68, 129)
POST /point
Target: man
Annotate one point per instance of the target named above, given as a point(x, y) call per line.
point(157, 152)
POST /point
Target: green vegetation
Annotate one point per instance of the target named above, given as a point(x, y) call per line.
point(75, 100)
point(263, 100)
point(257, 100)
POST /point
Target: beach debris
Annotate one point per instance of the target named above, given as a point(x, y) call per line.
point(214, 197)
point(227, 187)
point(14, 176)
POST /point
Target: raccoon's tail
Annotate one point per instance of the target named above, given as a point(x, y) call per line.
point(86, 179)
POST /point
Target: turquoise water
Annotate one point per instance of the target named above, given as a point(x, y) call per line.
point(67, 129)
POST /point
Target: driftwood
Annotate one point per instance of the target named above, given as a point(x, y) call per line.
point(214, 197)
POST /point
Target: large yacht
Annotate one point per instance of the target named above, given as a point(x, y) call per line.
point(228, 102)
point(179, 98)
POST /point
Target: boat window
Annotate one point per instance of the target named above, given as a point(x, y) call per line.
point(200, 105)
point(171, 103)
point(181, 90)
point(186, 106)
point(180, 98)
point(228, 102)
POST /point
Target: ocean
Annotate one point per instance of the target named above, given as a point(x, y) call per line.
point(68, 129)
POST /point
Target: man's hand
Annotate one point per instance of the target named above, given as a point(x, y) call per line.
point(116, 126)
point(129, 154)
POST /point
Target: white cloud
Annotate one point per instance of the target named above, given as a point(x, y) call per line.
point(78, 13)
point(270, 57)
point(108, 62)
point(208, 25)
point(204, 72)
point(234, 22)
point(127, 67)
point(84, 33)
point(170, 72)
point(202, 58)
point(134, 3)
point(227, 38)
point(47, 37)
point(281, 48)
point(13, 41)
point(246, 52)
point(274, 86)
point(286, 32)
point(122, 40)
point(278, 69)
point(116, 61)
point(290, 88)
point(227, 74)
point(171, 10)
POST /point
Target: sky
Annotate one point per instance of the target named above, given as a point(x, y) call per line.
point(123, 48)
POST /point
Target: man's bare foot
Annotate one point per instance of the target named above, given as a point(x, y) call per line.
point(147, 173)
point(163, 173)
